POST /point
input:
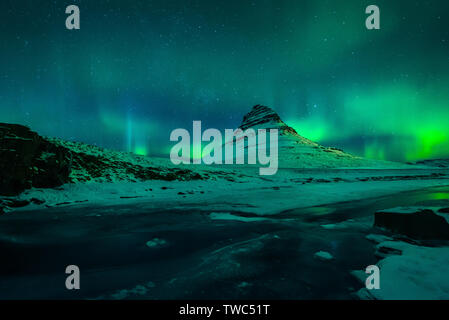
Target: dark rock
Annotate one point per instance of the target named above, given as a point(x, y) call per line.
point(28, 160)
point(37, 201)
point(18, 147)
point(262, 115)
point(414, 223)
point(439, 163)
point(444, 210)
point(383, 251)
point(12, 203)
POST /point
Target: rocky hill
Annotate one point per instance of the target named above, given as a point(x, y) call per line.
point(27, 159)
point(30, 160)
point(437, 163)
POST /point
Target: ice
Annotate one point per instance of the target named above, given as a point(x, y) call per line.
point(156, 242)
point(228, 216)
point(323, 255)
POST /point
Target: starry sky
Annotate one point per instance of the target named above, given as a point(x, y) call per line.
point(136, 70)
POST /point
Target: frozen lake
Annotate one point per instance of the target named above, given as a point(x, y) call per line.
point(131, 251)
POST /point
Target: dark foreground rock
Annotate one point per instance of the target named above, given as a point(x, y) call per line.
point(416, 223)
point(26, 160)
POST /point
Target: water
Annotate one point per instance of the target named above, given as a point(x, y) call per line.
point(201, 258)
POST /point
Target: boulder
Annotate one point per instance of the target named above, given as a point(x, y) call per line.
point(416, 223)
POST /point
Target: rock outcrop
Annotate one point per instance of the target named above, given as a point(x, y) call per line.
point(266, 118)
point(27, 160)
point(416, 223)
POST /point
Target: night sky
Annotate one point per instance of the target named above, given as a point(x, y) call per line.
point(138, 69)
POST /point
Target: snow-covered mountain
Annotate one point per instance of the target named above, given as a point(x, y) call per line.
point(296, 151)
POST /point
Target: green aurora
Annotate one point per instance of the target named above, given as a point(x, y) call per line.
point(139, 69)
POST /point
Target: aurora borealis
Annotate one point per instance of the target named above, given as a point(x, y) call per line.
point(136, 70)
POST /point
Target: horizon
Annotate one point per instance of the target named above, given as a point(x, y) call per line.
point(166, 153)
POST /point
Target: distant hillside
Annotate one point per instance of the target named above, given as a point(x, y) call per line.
point(439, 163)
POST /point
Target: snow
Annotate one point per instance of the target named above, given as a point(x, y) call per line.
point(245, 192)
point(418, 273)
point(156, 242)
point(378, 238)
point(323, 255)
point(341, 225)
point(228, 216)
point(133, 293)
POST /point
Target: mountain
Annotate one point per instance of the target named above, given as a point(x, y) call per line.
point(262, 117)
point(296, 151)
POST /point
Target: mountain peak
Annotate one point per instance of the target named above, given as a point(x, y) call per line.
point(263, 117)
point(260, 115)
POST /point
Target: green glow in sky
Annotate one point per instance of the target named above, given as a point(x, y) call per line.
point(140, 150)
point(136, 71)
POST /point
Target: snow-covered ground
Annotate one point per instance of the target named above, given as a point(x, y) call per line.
point(244, 190)
point(411, 272)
